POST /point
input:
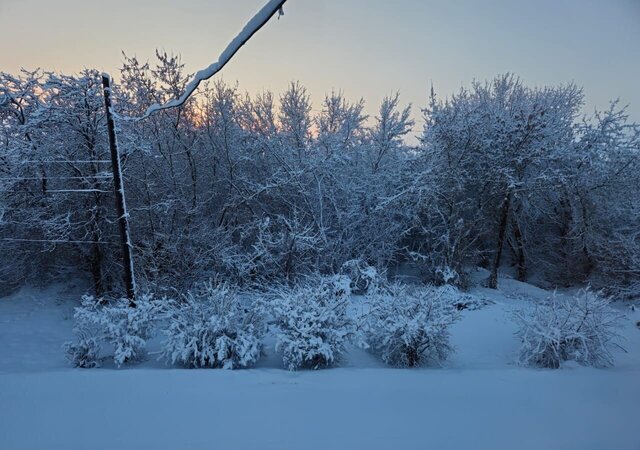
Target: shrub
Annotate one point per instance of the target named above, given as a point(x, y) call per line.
point(363, 277)
point(126, 329)
point(85, 352)
point(460, 300)
point(582, 328)
point(312, 322)
point(408, 328)
point(211, 328)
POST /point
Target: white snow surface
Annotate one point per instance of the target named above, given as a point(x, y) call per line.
point(479, 400)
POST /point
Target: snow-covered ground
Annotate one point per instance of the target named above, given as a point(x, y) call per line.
point(478, 400)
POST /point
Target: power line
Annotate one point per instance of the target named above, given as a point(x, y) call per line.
point(81, 191)
point(59, 191)
point(69, 161)
point(55, 178)
point(56, 241)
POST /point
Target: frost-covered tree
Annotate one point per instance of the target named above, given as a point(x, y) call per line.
point(392, 125)
point(61, 181)
point(295, 119)
point(20, 183)
point(601, 229)
point(496, 148)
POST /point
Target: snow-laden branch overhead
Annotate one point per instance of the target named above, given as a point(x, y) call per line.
point(257, 22)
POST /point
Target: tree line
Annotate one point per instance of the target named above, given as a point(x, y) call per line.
point(261, 188)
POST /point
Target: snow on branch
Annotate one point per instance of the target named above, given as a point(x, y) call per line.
point(257, 22)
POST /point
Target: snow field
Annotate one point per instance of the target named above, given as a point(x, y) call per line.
point(478, 399)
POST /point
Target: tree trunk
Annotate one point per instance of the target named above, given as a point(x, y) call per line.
point(519, 250)
point(502, 231)
point(95, 265)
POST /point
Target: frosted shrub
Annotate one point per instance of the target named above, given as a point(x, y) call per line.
point(126, 329)
point(85, 352)
point(312, 322)
point(582, 328)
point(446, 274)
point(211, 328)
point(363, 276)
point(460, 300)
point(409, 328)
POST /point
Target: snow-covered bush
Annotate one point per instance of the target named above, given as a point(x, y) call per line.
point(312, 322)
point(447, 275)
point(126, 329)
point(212, 328)
point(581, 328)
point(410, 327)
point(460, 300)
point(363, 276)
point(84, 353)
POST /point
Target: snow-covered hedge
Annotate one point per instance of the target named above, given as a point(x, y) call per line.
point(212, 328)
point(410, 327)
point(581, 328)
point(124, 328)
point(312, 324)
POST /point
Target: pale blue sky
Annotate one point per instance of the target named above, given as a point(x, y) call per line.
point(367, 48)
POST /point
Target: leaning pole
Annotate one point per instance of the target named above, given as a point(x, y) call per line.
point(121, 204)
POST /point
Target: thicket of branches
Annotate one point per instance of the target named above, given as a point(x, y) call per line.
point(259, 188)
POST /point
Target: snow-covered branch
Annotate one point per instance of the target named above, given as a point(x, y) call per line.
point(252, 27)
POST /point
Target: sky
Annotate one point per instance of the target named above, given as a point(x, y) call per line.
point(366, 48)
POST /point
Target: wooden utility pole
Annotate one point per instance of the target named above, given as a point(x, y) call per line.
point(121, 205)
